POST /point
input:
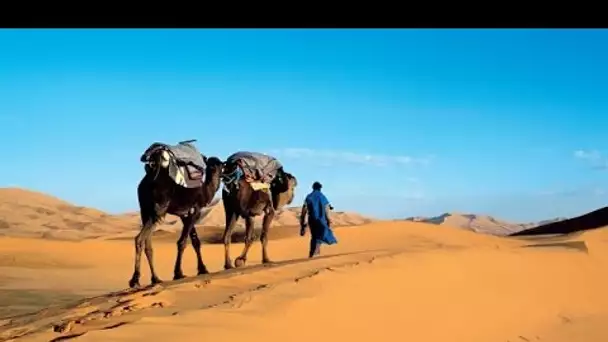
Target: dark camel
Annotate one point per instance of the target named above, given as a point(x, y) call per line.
point(247, 203)
point(159, 195)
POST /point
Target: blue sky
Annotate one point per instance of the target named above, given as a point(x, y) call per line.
point(394, 123)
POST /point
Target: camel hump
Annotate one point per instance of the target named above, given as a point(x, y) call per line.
point(184, 153)
point(187, 165)
point(188, 154)
point(255, 166)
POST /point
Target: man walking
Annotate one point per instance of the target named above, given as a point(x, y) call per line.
point(316, 209)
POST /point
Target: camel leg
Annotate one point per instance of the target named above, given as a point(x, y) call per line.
point(242, 259)
point(196, 244)
point(150, 256)
point(264, 236)
point(231, 218)
point(140, 242)
point(181, 246)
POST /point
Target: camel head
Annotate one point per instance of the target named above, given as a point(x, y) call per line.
point(215, 167)
point(284, 192)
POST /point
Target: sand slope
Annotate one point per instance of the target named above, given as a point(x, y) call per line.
point(481, 223)
point(25, 213)
point(384, 281)
point(593, 220)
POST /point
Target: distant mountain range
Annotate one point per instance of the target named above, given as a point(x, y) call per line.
point(481, 223)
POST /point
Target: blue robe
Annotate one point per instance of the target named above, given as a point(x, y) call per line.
point(317, 220)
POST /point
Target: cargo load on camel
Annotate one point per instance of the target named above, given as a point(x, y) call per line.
point(257, 169)
point(184, 162)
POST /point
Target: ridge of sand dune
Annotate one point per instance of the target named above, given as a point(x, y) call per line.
point(34, 214)
point(385, 281)
point(25, 213)
point(592, 220)
point(480, 223)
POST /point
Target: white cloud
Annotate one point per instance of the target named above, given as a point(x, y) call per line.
point(588, 155)
point(331, 156)
point(595, 158)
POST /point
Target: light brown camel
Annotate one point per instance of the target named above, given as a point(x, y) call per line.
point(246, 197)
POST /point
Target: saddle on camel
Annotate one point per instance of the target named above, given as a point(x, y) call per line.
point(184, 163)
point(257, 169)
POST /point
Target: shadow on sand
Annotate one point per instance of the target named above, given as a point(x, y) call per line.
point(578, 246)
point(593, 220)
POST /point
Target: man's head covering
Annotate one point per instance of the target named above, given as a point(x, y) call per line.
point(316, 186)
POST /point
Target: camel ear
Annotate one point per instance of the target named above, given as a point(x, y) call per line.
point(204, 158)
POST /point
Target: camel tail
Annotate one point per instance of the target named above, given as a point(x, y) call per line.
point(150, 218)
point(147, 206)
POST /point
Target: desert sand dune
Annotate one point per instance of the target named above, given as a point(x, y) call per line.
point(384, 281)
point(481, 223)
point(25, 213)
point(396, 280)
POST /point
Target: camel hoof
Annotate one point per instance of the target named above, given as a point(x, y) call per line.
point(156, 280)
point(267, 261)
point(239, 262)
point(178, 276)
point(228, 266)
point(134, 284)
point(203, 271)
